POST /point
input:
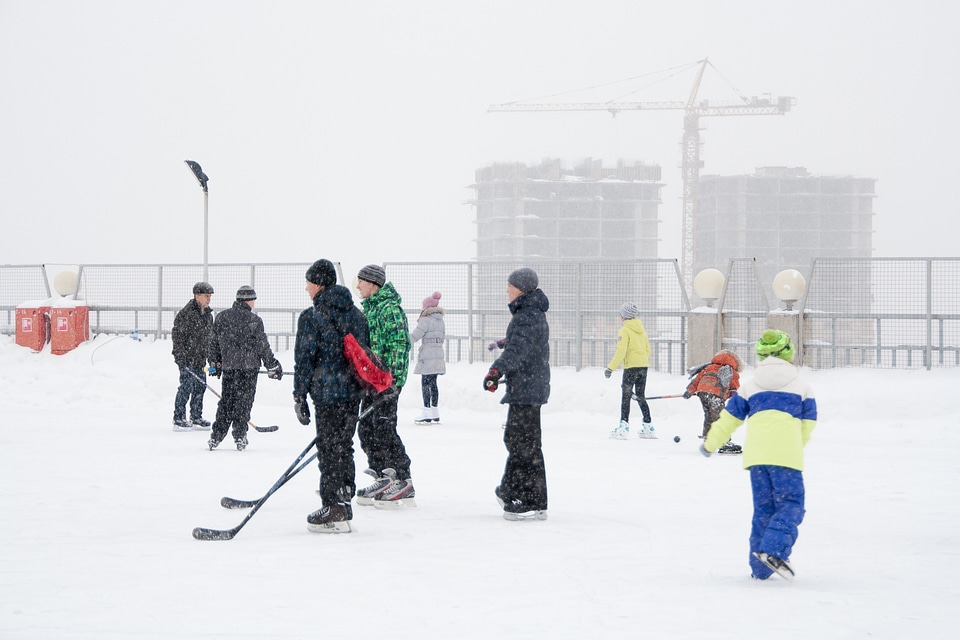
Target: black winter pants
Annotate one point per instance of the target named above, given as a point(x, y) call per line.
point(712, 406)
point(336, 424)
point(525, 475)
point(379, 438)
point(634, 381)
point(239, 391)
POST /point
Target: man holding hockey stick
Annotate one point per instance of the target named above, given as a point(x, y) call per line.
point(322, 371)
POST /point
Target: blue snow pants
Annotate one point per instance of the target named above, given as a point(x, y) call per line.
point(777, 512)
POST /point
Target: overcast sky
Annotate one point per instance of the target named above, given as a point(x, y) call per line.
point(352, 130)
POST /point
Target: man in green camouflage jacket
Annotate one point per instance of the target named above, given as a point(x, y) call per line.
point(387, 458)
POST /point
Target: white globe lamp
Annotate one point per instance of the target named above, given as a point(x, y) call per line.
point(788, 286)
point(708, 285)
point(65, 283)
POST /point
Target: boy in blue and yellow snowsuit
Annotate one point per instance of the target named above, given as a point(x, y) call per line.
point(782, 413)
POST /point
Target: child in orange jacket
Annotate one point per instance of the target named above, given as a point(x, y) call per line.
point(714, 383)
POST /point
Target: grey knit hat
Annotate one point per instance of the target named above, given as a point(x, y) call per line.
point(246, 292)
point(373, 273)
point(524, 279)
point(629, 310)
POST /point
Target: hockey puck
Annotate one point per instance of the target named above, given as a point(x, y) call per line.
point(676, 438)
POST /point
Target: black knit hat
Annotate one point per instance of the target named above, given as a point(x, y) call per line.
point(322, 273)
point(202, 287)
point(246, 292)
point(524, 279)
point(373, 273)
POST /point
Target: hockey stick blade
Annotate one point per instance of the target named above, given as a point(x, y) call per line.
point(269, 429)
point(200, 533)
point(233, 503)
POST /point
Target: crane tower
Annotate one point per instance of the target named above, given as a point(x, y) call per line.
point(691, 164)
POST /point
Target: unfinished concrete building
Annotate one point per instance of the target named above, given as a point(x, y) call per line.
point(547, 211)
point(784, 217)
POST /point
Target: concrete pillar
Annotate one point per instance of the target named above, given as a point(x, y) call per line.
point(703, 324)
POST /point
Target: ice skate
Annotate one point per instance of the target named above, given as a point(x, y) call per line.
point(781, 567)
point(730, 448)
point(380, 484)
point(399, 494)
point(621, 431)
point(333, 519)
point(647, 431)
point(199, 424)
point(241, 443)
point(516, 510)
point(182, 425)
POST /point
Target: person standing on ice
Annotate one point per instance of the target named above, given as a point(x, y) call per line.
point(322, 372)
point(781, 412)
point(238, 346)
point(525, 365)
point(633, 352)
point(387, 458)
point(714, 383)
point(430, 332)
point(192, 328)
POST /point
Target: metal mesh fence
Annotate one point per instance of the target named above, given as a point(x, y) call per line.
point(19, 284)
point(882, 312)
point(585, 298)
point(744, 307)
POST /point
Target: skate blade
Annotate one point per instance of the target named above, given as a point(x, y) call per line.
point(784, 572)
point(526, 515)
point(403, 503)
point(647, 437)
point(330, 527)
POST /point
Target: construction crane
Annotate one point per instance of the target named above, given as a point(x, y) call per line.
point(691, 163)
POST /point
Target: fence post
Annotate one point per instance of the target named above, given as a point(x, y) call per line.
point(159, 302)
point(928, 351)
point(578, 325)
point(470, 312)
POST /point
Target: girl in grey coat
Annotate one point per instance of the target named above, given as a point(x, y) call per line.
point(430, 332)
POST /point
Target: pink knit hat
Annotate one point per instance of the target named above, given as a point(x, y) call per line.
point(432, 301)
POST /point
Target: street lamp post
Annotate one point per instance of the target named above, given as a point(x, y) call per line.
point(202, 179)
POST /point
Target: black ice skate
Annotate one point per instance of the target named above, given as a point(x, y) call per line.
point(781, 567)
point(333, 519)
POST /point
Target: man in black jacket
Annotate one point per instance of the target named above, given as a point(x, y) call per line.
point(525, 362)
point(238, 347)
point(323, 372)
point(191, 339)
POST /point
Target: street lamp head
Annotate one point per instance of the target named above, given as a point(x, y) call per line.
point(708, 284)
point(198, 172)
point(788, 286)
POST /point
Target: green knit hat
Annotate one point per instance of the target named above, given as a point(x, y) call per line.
point(775, 343)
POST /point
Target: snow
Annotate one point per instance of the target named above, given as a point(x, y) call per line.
point(644, 538)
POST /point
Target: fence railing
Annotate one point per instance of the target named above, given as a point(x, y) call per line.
point(883, 312)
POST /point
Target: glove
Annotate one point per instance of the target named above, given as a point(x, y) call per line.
point(302, 410)
point(499, 344)
point(704, 452)
point(492, 380)
point(215, 370)
point(276, 373)
point(607, 373)
point(687, 395)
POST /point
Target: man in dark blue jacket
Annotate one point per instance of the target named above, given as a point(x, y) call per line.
point(238, 347)
point(525, 362)
point(323, 372)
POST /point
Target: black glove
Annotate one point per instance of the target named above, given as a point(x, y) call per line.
point(215, 370)
point(302, 410)
point(492, 380)
point(276, 373)
point(607, 373)
point(687, 395)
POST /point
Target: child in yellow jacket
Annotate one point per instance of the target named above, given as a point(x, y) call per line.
point(633, 352)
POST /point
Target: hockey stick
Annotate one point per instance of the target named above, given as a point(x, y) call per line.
point(282, 373)
point(232, 503)
point(269, 429)
point(202, 533)
point(634, 396)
